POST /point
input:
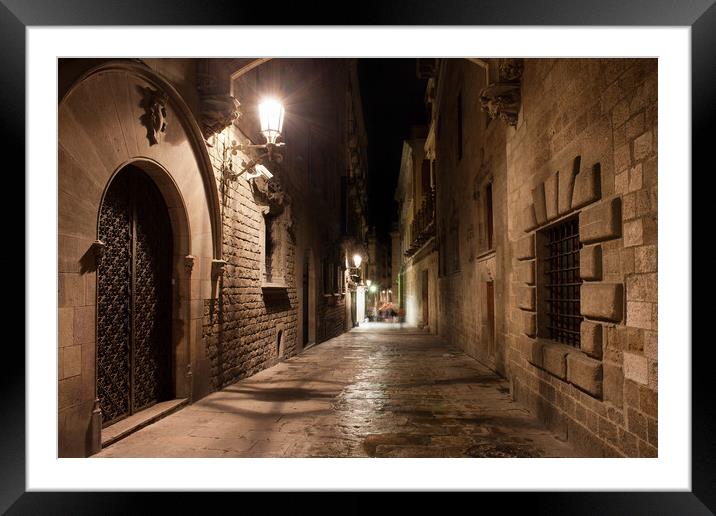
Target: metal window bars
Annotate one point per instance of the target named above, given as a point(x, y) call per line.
point(563, 282)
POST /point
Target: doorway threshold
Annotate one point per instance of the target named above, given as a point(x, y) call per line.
point(131, 424)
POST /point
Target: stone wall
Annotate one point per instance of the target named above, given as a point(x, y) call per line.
point(242, 324)
point(585, 145)
point(332, 315)
point(461, 216)
point(413, 277)
point(99, 134)
point(582, 147)
point(229, 319)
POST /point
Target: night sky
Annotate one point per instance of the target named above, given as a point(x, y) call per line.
point(393, 100)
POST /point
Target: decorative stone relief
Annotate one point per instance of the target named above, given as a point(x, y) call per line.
point(502, 99)
point(155, 114)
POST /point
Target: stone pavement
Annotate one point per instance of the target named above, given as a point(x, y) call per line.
point(378, 391)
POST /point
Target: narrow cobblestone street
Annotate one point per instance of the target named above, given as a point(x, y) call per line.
point(377, 391)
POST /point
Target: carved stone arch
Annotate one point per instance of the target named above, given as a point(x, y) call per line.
point(185, 117)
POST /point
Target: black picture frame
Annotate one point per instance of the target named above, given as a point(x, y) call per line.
point(700, 15)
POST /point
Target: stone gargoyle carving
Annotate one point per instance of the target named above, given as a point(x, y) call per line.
point(501, 100)
point(218, 112)
point(270, 192)
point(155, 114)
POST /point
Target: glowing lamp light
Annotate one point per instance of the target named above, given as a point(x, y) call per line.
point(357, 259)
point(271, 113)
point(373, 288)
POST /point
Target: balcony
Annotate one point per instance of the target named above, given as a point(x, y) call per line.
point(423, 226)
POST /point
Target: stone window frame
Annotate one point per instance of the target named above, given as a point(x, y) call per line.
point(483, 243)
point(489, 214)
point(332, 273)
point(568, 193)
point(270, 224)
point(542, 256)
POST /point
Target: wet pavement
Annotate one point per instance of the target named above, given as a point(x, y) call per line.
point(377, 391)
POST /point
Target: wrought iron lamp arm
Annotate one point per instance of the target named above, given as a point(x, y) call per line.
point(230, 174)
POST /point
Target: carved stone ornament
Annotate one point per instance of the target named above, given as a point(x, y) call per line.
point(189, 263)
point(501, 100)
point(218, 112)
point(217, 267)
point(270, 191)
point(155, 114)
point(98, 247)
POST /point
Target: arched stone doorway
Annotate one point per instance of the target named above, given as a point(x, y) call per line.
point(94, 147)
point(134, 297)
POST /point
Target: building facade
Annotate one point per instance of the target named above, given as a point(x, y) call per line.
point(545, 174)
point(415, 195)
point(179, 273)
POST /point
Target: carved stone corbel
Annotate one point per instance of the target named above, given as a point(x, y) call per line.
point(98, 248)
point(189, 263)
point(217, 268)
point(502, 99)
point(217, 113)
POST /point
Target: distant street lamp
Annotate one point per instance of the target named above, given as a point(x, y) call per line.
point(355, 271)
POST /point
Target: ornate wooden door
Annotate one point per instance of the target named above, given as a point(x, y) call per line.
point(133, 297)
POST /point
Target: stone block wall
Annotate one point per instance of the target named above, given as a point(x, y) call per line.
point(415, 267)
point(241, 322)
point(585, 146)
point(460, 196)
point(332, 316)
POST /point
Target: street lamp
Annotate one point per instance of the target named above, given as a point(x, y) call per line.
point(355, 271)
point(271, 114)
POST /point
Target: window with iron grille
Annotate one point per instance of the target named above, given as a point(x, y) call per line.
point(561, 316)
